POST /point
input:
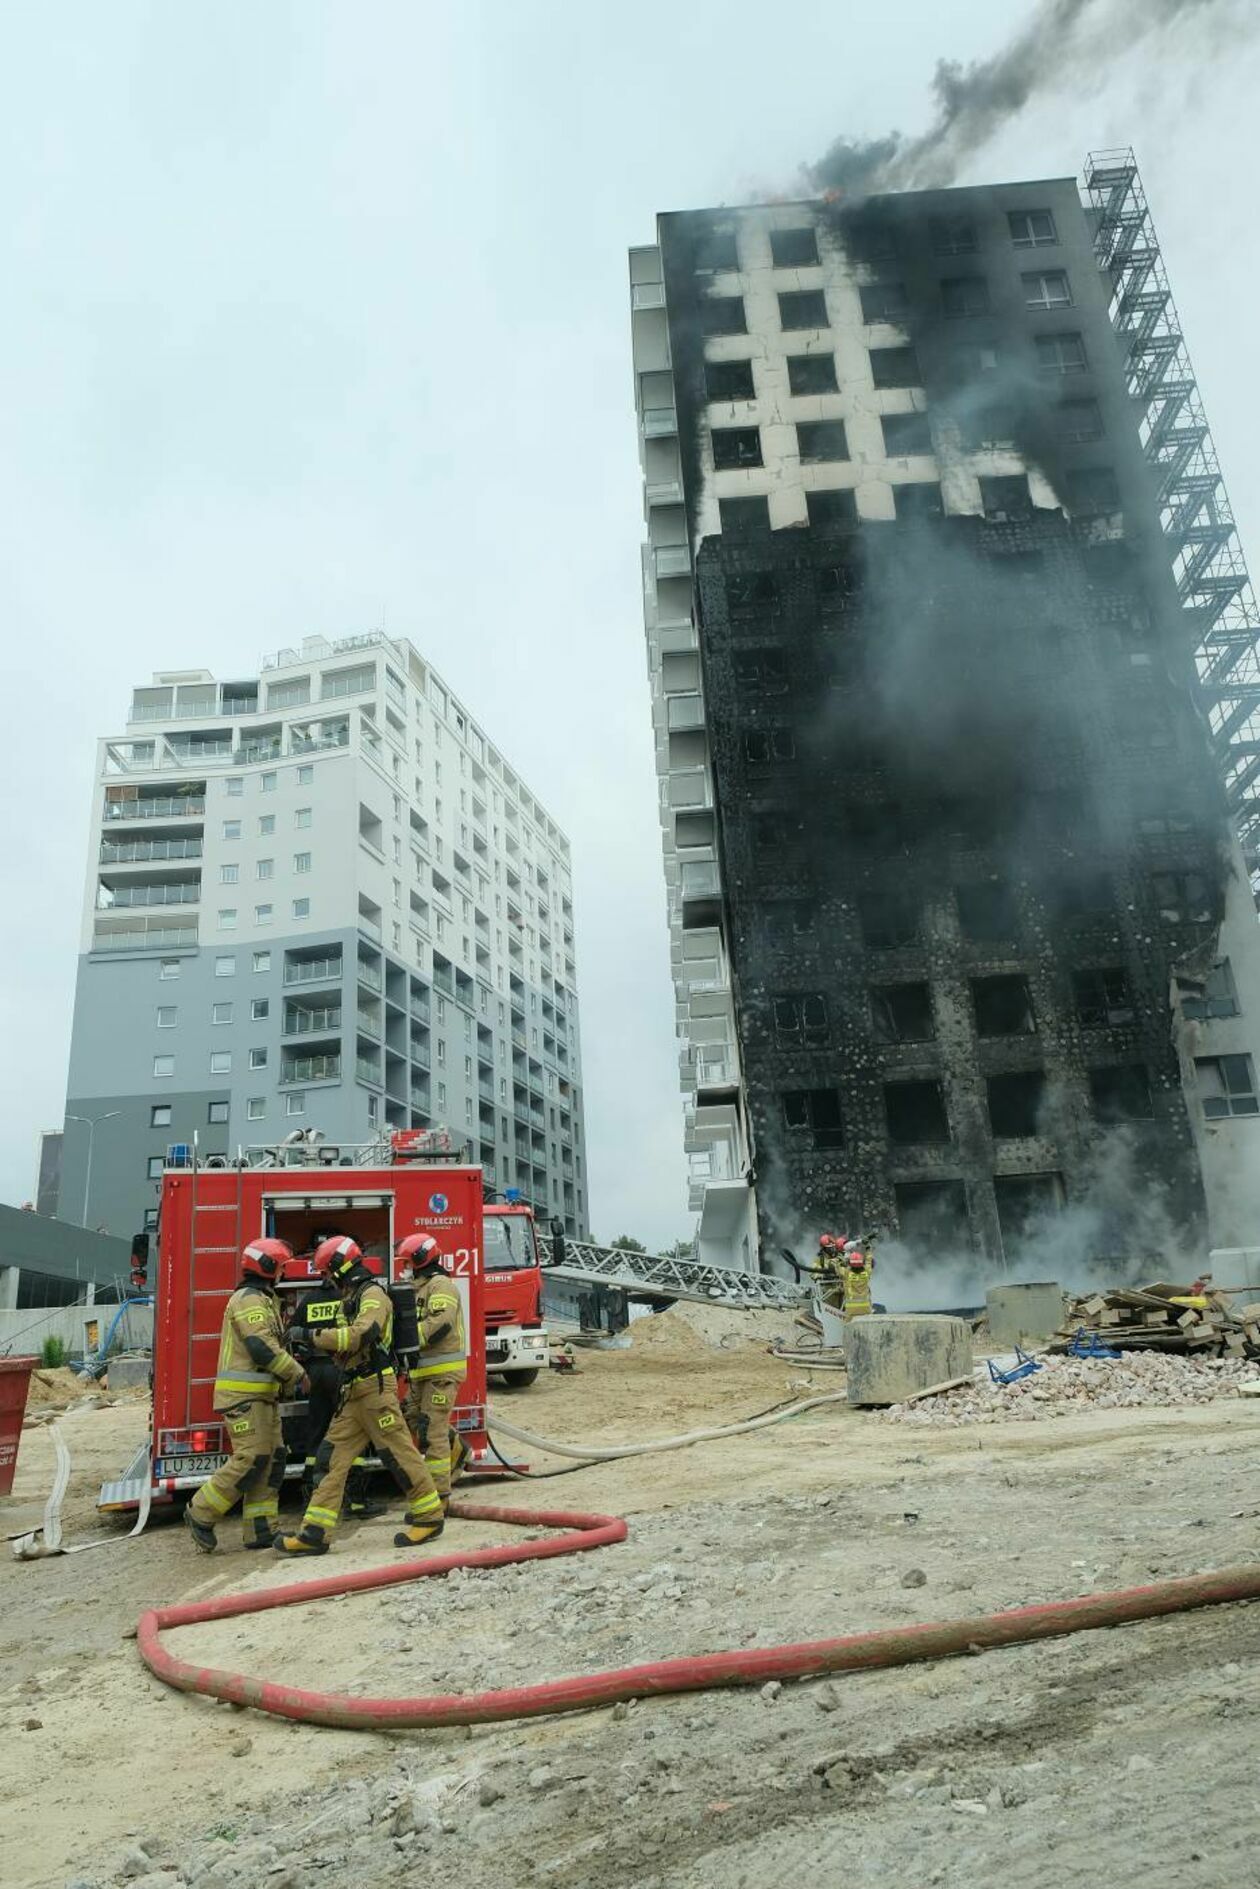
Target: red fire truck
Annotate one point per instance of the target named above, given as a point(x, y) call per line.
point(210, 1210)
point(516, 1338)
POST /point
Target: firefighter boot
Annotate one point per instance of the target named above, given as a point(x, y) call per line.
point(309, 1541)
point(358, 1501)
point(417, 1533)
point(259, 1532)
point(203, 1536)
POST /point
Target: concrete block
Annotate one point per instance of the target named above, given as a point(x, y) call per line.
point(1025, 1314)
point(124, 1373)
point(890, 1356)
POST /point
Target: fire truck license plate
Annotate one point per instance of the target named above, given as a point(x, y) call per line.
point(496, 1351)
point(190, 1465)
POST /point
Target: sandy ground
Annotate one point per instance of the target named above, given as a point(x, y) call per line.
point(1121, 1757)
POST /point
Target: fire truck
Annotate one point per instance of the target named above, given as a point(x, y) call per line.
point(300, 1192)
point(516, 1338)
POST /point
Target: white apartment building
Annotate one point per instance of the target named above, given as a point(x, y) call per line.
point(320, 898)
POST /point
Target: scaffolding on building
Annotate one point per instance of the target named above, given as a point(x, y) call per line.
point(1195, 514)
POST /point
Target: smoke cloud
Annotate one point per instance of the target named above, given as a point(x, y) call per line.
point(1065, 44)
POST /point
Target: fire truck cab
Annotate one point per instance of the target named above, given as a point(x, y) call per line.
point(516, 1338)
point(211, 1210)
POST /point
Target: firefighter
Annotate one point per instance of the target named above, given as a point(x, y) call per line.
point(859, 1264)
point(829, 1267)
point(253, 1369)
point(368, 1411)
point(317, 1311)
point(435, 1380)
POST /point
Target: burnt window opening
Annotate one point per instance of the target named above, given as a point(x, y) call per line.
point(775, 832)
point(880, 824)
point(714, 250)
point(906, 433)
point(1023, 1201)
point(888, 919)
point(811, 373)
point(869, 240)
point(794, 249)
point(990, 426)
point(987, 913)
point(1084, 895)
point(1183, 898)
point(902, 1013)
point(829, 510)
point(729, 380)
point(1103, 998)
point(1061, 353)
point(970, 820)
point(973, 361)
point(751, 590)
point(1046, 288)
point(832, 581)
point(1003, 1006)
point(1122, 1093)
point(916, 1113)
point(814, 1114)
point(722, 315)
point(821, 441)
point(800, 1022)
point(933, 1214)
point(735, 447)
point(965, 295)
point(763, 745)
point(884, 301)
point(803, 308)
point(1159, 831)
point(953, 235)
point(1227, 1086)
point(1216, 996)
point(789, 918)
point(1090, 490)
point(920, 500)
point(744, 517)
point(763, 668)
point(1006, 499)
point(1078, 421)
point(1015, 1102)
point(895, 367)
point(1032, 229)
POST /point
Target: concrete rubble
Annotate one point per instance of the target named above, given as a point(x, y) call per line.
point(1063, 1385)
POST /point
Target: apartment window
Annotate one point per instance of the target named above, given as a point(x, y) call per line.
point(225, 967)
point(735, 447)
point(729, 380)
point(256, 1108)
point(902, 1013)
point(305, 774)
point(1183, 898)
point(987, 912)
point(1103, 998)
point(1003, 1006)
point(815, 1114)
point(1227, 1086)
point(884, 301)
point(1092, 489)
point(160, 1115)
point(259, 1008)
point(168, 968)
point(715, 249)
point(800, 1022)
point(221, 1013)
point(1006, 499)
point(812, 373)
point(301, 908)
point(1060, 354)
point(231, 829)
point(1215, 997)
point(1079, 421)
point(163, 1066)
point(266, 869)
point(221, 1062)
point(266, 825)
point(261, 961)
point(267, 782)
point(744, 517)
point(227, 918)
point(821, 441)
point(301, 816)
point(906, 433)
point(952, 235)
point(166, 1015)
point(228, 875)
point(888, 919)
point(803, 308)
point(263, 914)
point(895, 367)
point(752, 590)
point(794, 249)
point(234, 786)
point(302, 863)
point(1015, 1102)
point(829, 510)
point(915, 1112)
point(258, 1059)
point(769, 744)
point(1047, 288)
point(1032, 229)
point(1122, 1093)
point(965, 295)
point(154, 1166)
point(722, 315)
point(295, 1102)
point(921, 500)
point(217, 1112)
point(766, 668)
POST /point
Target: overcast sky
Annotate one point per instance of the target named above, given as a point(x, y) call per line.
point(314, 317)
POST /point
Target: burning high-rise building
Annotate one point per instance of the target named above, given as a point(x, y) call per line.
point(953, 662)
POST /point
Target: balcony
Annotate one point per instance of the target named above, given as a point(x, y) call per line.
point(325, 1068)
point(659, 422)
point(684, 712)
point(331, 738)
point(161, 807)
point(370, 1025)
point(647, 295)
point(126, 895)
point(369, 976)
point(671, 560)
point(367, 1070)
point(134, 852)
point(313, 970)
point(189, 752)
point(160, 938)
point(259, 750)
point(303, 1022)
point(700, 879)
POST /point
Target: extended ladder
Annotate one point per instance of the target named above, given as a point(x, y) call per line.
point(661, 1277)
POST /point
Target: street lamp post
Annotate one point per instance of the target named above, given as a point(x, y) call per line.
point(90, 1122)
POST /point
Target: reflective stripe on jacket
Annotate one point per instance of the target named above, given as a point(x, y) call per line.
point(440, 1318)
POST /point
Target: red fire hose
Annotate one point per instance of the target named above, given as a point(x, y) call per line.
point(856, 1652)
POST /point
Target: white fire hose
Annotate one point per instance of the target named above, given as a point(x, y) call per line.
point(612, 1453)
point(44, 1541)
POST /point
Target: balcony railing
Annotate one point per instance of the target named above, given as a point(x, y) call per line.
point(370, 1025)
point(369, 976)
point(162, 938)
point(129, 852)
point(311, 1069)
point(161, 807)
point(305, 744)
point(189, 751)
point(152, 895)
point(672, 560)
point(300, 1022)
point(367, 1070)
point(259, 751)
point(659, 422)
point(312, 970)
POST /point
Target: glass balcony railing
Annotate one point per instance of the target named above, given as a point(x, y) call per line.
point(367, 1070)
point(370, 1025)
point(161, 807)
point(312, 970)
point(152, 895)
point(132, 852)
point(300, 1022)
point(161, 938)
point(311, 1069)
point(369, 976)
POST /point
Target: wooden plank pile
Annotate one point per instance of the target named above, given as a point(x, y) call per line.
point(1163, 1317)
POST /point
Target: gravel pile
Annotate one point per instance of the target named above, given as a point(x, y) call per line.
point(1065, 1384)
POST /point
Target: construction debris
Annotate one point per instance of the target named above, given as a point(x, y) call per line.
point(1170, 1318)
point(1063, 1385)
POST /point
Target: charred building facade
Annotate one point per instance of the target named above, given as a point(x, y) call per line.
point(947, 649)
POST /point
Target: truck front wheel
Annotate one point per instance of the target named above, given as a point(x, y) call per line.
point(519, 1380)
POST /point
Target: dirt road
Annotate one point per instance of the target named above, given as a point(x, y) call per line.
point(1124, 1757)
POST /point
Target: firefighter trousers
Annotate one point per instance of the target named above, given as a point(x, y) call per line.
point(430, 1414)
point(370, 1414)
point(252, 1475)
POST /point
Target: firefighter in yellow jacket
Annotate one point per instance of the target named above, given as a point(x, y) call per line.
point(369, 1411)
point(436, 1378)
point(859, 1264)
point(254, 1367)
